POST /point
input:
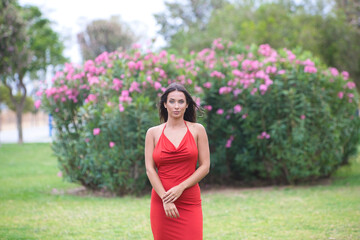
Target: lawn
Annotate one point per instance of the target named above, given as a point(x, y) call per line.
point(29, 209)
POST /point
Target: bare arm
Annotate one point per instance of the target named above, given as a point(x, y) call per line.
point(150, 164)
point(204, 166)
point(169, 208)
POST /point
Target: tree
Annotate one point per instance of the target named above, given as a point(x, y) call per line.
point(183, 16)
point(105, 36)
point(351, 9)
point(28, 46)
point(316, 26)
point(3, 93)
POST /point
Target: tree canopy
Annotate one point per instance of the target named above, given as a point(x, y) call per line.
point(28, 46)
point(325, 28)
point(105, 36)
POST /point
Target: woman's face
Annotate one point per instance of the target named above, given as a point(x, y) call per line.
point(176, 104)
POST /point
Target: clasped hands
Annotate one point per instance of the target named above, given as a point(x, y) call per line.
point(172, 194)
point(169, 198)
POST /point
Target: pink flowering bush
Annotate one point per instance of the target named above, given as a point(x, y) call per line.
point(285, 117)
point(274, 115)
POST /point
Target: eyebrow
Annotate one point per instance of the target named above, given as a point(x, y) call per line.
point(175, 99)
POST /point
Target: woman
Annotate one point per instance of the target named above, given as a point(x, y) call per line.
point(172, 151)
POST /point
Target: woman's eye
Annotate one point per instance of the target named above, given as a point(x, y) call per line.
point(181, 101)
point(171, 101)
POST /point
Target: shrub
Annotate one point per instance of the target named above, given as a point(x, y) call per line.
point(269, 114)
point(286, 118)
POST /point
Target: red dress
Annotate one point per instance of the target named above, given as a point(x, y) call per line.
point(174, 166)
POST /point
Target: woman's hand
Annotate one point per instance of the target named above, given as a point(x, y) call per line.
point(172, 194)
point(171, 210)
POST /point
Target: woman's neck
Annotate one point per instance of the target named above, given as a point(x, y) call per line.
point(175, 122)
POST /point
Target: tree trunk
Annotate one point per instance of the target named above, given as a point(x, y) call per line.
point(19, 111)
point(19, 106)
point(0, 125)
point(19, 124)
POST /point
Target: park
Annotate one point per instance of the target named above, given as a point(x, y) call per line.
point(281, 111)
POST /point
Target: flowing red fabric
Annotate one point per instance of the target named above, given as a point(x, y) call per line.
point(174, 166)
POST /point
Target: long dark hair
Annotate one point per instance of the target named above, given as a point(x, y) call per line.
point(190, 112)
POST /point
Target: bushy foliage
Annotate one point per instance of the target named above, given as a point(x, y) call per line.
point(273, 115)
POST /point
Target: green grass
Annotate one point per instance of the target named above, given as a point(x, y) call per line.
point(29, 210)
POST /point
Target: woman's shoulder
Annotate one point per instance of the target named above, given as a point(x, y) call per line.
point(155, 129)
point(196, 126)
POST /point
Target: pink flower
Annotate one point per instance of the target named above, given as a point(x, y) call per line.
point(237, 108)
point(96, 131)
point(234, 64)
point(237, 73)
point(207, 85)
point(117, 84)
point(111, 144)
point(139, 65)
point(237, 91)
point(224, 90)
point(220, 111)
point(125, 97)
point(291, 56)
point(351, 85)
point(263, 88)
point(87, 140)
point(93, 80)
point(134, 87)
point(281, 72)
point(208, 107)
point(157, 85)
point(244, 115)
point(91, 98)
point(308, 62)
point(39, 93)
point(265, 50)
point(197, 100)
point(136, 46)
point(253, 91)
point(198, 89)
point(217, 44)
point(310, 69)
point(270, 69)
point(121, 107)
point(162, 54)
point(334, 72)
point(217, 74)
point(131, 65)
point(228, 143)
point(263, 135)
point(345, 75)
point(303, 117)
point(249, 65)
point(340, 95)
point(125, 93)
point(59, 174)
point(37, 104)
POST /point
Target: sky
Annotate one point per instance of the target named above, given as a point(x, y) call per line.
point(69, 17)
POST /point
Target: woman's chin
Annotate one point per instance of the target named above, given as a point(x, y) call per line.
point(176, 116)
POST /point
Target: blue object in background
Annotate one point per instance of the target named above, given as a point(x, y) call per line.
point(50, 125)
